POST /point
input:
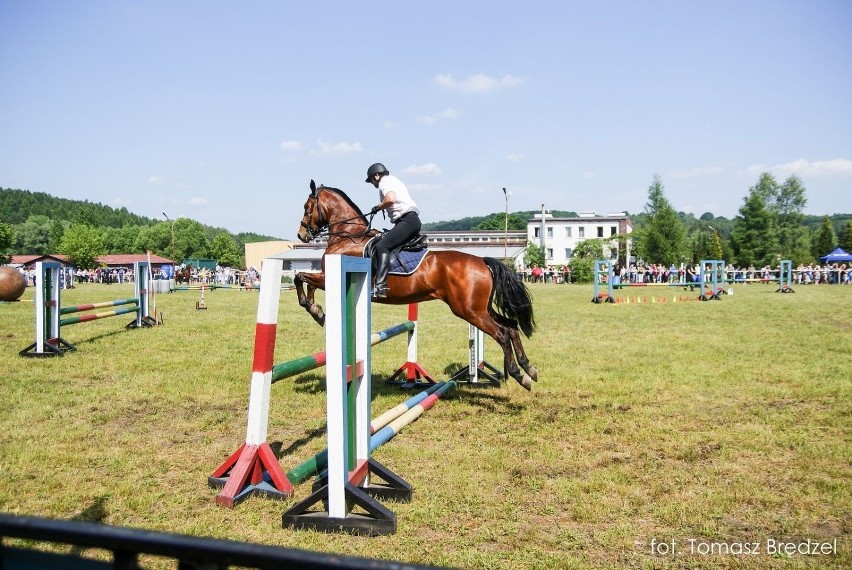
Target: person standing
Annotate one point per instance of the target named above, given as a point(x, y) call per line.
point(404, 214)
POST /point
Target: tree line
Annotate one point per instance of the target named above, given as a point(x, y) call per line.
point(771, 226)
point(37, 223)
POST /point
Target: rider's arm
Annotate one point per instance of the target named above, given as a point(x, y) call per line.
point(388, 200)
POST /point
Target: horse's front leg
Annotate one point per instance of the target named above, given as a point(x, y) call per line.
point(306, 284)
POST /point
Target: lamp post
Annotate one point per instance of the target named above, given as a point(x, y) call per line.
point(173, 237)
point(506, 227)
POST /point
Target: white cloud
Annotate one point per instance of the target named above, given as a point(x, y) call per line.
point(804, 167)
point(448, 113)
point(429, 169)
point(291, 146)
point(478, 83)
point(588, 174)
point(197, 201)
point(389, 125)
point(515, 157)
point(156, 180)
point(337, 149)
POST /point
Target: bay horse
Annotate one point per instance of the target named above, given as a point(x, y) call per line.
point(482, 291)
point(184, 275)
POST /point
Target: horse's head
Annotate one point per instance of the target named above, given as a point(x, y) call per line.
point(327, 207)
point(312, 222)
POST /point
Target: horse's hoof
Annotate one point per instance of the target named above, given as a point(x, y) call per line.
point(526, 382)
point(533, 372)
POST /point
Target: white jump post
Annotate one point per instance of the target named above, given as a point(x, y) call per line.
point(347, 483)
point(253, 468)
point(478, 372)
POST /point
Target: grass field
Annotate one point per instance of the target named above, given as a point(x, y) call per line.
point(656, 433)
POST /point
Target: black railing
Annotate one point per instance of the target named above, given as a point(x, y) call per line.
point(126, 544)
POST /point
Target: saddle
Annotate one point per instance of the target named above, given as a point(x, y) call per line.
point(404, 259)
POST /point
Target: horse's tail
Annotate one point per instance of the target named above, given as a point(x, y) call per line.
point(510, 296)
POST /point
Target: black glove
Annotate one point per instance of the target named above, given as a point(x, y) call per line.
point(375, 210)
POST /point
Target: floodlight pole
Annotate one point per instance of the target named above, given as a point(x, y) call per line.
point(173, 237)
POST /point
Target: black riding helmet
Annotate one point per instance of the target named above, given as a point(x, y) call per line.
point(377, 168)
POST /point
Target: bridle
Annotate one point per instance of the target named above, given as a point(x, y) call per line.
point(324, 227)
point(311, 232)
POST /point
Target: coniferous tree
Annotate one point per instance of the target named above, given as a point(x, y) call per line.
point(716, 249)
point(826, 240)
point(663, 239)
point(844, 241)
point(754, 239)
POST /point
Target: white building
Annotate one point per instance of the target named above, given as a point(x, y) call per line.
point(560, 236)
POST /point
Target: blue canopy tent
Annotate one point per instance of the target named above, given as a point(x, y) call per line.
point(837, 256)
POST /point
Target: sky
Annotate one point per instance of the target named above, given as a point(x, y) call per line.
point(225, 111)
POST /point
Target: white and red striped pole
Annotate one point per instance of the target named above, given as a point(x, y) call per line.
point(254, 467)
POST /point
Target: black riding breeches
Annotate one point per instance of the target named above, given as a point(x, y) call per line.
point(405, 228)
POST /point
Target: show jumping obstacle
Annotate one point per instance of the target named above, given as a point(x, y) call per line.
point(603, 297)
point(352, 479)
point(785, 277)
point(253, 468)
point(708, 281)
point(48, 309)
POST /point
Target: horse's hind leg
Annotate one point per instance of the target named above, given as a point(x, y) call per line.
point(521, 355)
point(503, 336)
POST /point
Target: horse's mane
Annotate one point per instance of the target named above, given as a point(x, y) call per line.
point(348, 200)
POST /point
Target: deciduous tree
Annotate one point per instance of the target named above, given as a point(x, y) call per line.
point(82, 244)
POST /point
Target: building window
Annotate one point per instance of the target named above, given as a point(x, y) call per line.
point(549, 253)
point(567, 231)
point(600, 231)
point(567, 253)
point(613, 231)
point(582, 232)
point(549, 232)
point(535, 232)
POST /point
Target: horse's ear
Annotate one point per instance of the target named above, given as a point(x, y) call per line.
point(313, 188)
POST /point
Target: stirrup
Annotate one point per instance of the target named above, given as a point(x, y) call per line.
point(380, 293)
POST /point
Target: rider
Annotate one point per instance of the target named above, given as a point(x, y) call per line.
point(404, 213)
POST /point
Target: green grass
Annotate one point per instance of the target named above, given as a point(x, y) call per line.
point(723, 421)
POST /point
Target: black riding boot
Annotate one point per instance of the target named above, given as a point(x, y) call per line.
point(380, 290)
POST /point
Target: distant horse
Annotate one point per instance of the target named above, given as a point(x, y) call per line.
point(472, 286)
point(183, 275)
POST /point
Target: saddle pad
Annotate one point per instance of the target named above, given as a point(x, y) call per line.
point(406, 262)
